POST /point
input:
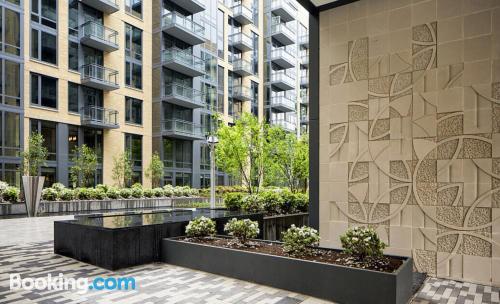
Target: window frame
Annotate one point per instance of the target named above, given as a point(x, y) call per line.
point(39, 93)
point(129, 101)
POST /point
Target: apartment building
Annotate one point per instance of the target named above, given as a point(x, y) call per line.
point(144, 76)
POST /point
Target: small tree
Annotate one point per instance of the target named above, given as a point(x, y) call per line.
point(35, 156)
point(84, 166)
point(122, 169)
point(155, 170)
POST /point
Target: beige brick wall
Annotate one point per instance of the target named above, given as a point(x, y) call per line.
point(410, 130)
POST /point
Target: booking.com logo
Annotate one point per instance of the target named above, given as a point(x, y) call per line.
point(82, 285)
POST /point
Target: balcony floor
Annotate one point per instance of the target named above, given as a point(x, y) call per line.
point(182, 101)
point(183, 34)
point(102, 5)
point(99, 44)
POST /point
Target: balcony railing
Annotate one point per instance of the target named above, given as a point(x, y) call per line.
point(242, 14)
point(183, 27)
point(304, 40)
point(284, 8)
point(282, 33)
point(183, 61)
point(285, 124)
point(183, 129)
point(304, 80)
point(304, 99)
point(106, 6)
point(242, 67)
point(283, 80)
point(241, 41)
point(283, 57)
point(283, 103)
point(183, 96)
point(99, 36)
point(192, 6)
point(99, 77)
point(242, 93)
point(99, 117)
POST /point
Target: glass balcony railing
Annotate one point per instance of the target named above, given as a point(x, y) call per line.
point(178, 91)
point(185, 58)
point(285, 124)
point(95, 72)
point(241, 92)
point(282, 53)
point(183, 128)
point(176, 19)
point(99, 117)
point(285, 4)
point(283, 102)
point(242, 13)
point(98, 31)
point(282, 32)
point(304, 39)
point(304, 99)
point(243, 65)
point(241, 41)
point(282, 77)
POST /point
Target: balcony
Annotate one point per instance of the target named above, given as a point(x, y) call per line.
point(304, 40)
point(99, 77)
point(304, 120)
point(183, 96)
point(241, 93)
point(241, 41)
point(242, 14)
point(304, 81)
point(192, 6)
point(304, 60)
point(183, 62)
point(282, 80)
point(304, 99)
point(182, 129)
point(282, 33)
point(283, 57)
point(183, 28)
point(285, 124)
point(98, 117)
point(242, 67)
point(105, 6)
point(283, 103)
point(98, 36)
point(285, 9)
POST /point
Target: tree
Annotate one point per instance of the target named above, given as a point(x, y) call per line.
point(122, 169)
point(287, 159)
point(84, 166)
point(35, 156)
point(240, 151)
point(155, 170)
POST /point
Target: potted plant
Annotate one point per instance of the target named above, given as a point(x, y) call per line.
point(33, 157)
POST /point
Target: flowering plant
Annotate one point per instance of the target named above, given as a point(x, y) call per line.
point(362, 242)
point(200, 227)
point(242, 229)
point(296, 241)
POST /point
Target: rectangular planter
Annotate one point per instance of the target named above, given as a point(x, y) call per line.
point(330, 282)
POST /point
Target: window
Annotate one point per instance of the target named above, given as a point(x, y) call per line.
point(133, 42)
point(73, 105)
point(10, 133)
point(204, 157)
point(177, 153)
point(73, 18)
point(10, 32)
point(220, 35)
point(10, 83)
point(44, 46)
point(255, 97)
point(48, 129)
point(182, 179)
point(43, 91)
point(73, 135)
point(255, 56)
point(134, 7)
point(44, 12)
point(133, 110)
point(133, 75)
point(73, 55)
point(133, 144)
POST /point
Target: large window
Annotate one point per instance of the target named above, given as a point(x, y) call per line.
point(255, 56)
point(177, 153)
point(133, 110)
point(43, 91)
point(134, 7)
point(133, 144)
point(44, 12)
point(48, 129)
point(73, 104)
point(10, 31)
point(10, 134)
point(255, 97)
point(220, 34)
point(44, 46)
point(44, 30)
point(10, 83)
point(133, 56)
point(73, 55)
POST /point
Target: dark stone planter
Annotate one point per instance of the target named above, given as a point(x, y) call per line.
point(330, 282)
point(276, 224)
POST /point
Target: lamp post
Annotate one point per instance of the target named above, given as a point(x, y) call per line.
point(212, 140)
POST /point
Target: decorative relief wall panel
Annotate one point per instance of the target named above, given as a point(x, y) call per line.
point(410, 130)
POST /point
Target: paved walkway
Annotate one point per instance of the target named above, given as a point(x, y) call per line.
point(26, 248)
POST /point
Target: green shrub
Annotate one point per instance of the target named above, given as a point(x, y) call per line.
point(168, 190)
point(242, 229)
point(125, 193)
point(49, 194)
point(67, 195)
point(158, 192)
point(58, 187)
point(98, 194)
point(113, 193)
point(362, 242)
point(297, 241)
point(137, 185)
point(194, 192)
point(11, 194)
point(102, 187)
point(83, 193)
point(233, 200)
point(3, 186)
point(137, 192)
point(301, 202)
point(179, 191)
point(149, 193)
point(200, 227)
point(288, 201)
point(252, 203)
point(272, 201)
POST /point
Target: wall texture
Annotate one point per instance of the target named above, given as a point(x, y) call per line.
point(410, 130)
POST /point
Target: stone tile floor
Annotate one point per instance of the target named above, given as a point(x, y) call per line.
point(26, 248)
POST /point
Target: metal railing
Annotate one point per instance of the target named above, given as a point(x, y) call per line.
point(186, 58)
point(99, 31)
point(177, 19)
point(282, 52)
point(177, 90)
point(283, 101)
point(183, 127)
point(240, 9)
point(241, 91)
point(283, 76)
point(243, 65)
point(97, 72)
point(240, 38)
point(99, 116)
point(304, 39)
point(282, 28)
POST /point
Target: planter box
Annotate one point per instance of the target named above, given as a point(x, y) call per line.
point(276, 224)
point(330, 282)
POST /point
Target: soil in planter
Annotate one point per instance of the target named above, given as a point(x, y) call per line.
point(384, 263)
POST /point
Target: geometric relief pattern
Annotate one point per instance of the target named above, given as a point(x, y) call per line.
point(416, 153)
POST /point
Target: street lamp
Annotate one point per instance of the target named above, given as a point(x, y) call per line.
point(212, 140)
